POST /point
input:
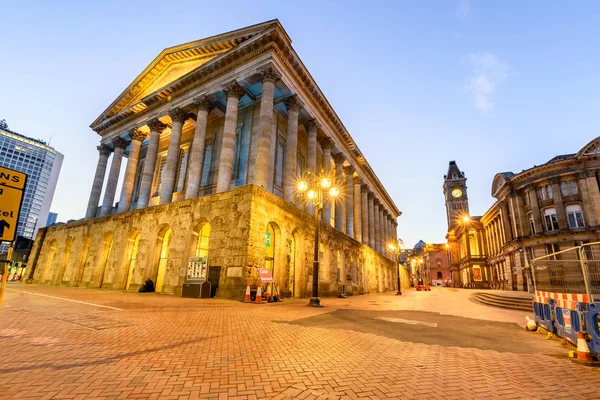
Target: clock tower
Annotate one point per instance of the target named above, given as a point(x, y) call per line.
point(455, 193)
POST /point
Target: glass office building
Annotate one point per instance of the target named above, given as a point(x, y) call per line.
point(42, 165)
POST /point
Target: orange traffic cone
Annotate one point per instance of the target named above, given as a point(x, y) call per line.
point(247, 296)
point(268, 293)
point(258, 299)
point(583, 351)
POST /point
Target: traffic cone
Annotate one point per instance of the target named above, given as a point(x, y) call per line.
point(258, 299)
point(247, 296)
point(583, 351)
point(268, 293)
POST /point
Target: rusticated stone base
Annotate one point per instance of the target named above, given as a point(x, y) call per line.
point(100, 252)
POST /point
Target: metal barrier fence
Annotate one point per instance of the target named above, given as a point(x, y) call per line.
point(567, 293)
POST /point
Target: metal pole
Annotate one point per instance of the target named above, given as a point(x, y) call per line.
point(314, 300)
point(399, 293)
point(585, 271)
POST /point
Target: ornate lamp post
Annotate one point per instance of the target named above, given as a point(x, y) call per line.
point(397, 249)
point(317, 189)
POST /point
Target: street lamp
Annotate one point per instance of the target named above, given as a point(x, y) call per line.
point(397, 249)
point(317, 189)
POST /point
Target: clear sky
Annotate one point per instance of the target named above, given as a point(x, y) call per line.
point(496, 86)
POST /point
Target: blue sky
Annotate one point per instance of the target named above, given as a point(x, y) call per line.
point(496, 86)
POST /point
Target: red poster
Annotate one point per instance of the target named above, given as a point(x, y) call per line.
point(477, 273)
point(265, 275)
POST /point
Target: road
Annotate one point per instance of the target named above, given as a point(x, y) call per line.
point(68, 343)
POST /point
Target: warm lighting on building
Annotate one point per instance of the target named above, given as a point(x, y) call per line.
point(311, 194)
point(334, 192)
point(325, 183)
point(302, 186)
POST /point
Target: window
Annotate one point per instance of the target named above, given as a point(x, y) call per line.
point(206, 163)
point(550, 219)
point(236, 151)
point(542, 193)
point(279, 164)
point(545, 192)
point(526, 198)
point(531, 223)
point(552, 249)
point(159, 171)
point(181, 171)
point(549, 191)
point(568, 187)
point(575, 216)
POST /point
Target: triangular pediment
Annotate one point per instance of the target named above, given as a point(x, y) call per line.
point(590, 149)
point(175, 62)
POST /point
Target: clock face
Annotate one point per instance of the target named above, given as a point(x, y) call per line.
point(457, 193)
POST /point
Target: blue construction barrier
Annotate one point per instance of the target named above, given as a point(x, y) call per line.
point(543, 315)
point(592, 322)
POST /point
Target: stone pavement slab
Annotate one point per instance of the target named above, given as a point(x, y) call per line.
point(150, 346)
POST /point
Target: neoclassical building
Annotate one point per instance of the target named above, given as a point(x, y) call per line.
point(539, 211)
point(216, 135)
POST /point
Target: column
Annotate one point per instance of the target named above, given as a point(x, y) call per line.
point(381, 229)
point(587, 200)
point(156, 127)
point(311, 156)
point(113, 176)
point(357, 209)
point(338, 159)
point(371, 220)
point(349, 170)
point(265, 127)
point(167, 180)
point(505, 222)
point(561, 214)
point(137, 137)
point(290, 166)
point(535, 209)
point(104, 151)
point(234, 92)
point(326, 145)
point(364, 214)
point(194, 173)
point(376, 224)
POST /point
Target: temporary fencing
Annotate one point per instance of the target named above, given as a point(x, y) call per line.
point(567, 293)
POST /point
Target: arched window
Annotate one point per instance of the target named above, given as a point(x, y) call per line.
point(135, 241)
point(575, 216)
point(202, 241)
point(551, 219)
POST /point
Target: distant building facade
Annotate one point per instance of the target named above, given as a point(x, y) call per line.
point(42, 165)
point(539, 211)
point(51, 219)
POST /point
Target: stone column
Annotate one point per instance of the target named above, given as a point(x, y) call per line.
point(505, 222)
point(113, 176)
point(326, 145)
point(349, 170)
point(357, 207)
point(561, 215)
point(535, 209)
point(167, 181)
point(234, 92)
point(376, 224)
point(371, 202)
point(137, 137)
point(589, 203)
point(290, 165)
point(338, 159)
point(381, 229)
point(194, 173)
point(104, 151)
point(265, 127)
point(156, 127)
point(311, 156)
point(364, 212)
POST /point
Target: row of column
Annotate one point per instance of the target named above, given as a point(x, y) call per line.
point(358, 213)
point(178, 117)
point(494, 236)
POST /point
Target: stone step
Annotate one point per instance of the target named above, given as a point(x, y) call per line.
point(507, 302)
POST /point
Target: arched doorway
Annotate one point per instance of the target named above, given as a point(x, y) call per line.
point(107, 247)
point(292, 278)
point(87, 241)
point(47, 271)
point(133, 251)
point(164, 240)
point(439, 275)
point(270, 242)
point(201, 234)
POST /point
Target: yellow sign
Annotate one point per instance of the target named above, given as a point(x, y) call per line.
point(12, 178)
point(12, 184)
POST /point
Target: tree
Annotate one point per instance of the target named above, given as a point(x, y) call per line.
point(3, 124)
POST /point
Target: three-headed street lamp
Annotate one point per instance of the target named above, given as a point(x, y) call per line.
point(397, 249)
point(317, 189)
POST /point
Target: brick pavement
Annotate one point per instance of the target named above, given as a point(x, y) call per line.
point(162, 347)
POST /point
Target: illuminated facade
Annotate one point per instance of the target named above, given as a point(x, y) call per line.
point(42, 165)
point(541, 210)
point(219, 132)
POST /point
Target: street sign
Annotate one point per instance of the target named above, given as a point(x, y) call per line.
point(12, 185)
point(265, 275)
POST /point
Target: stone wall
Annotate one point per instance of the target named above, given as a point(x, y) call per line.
point(101, 252)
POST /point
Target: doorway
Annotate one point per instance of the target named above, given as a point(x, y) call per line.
point(132, 260)
point(163, 258)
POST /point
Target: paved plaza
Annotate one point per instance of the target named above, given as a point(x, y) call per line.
point(70, 343)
